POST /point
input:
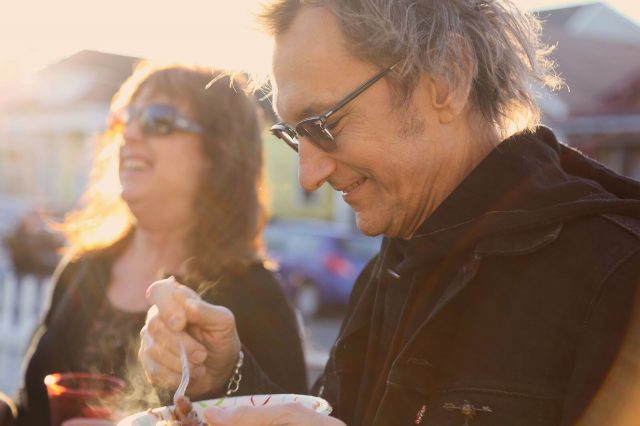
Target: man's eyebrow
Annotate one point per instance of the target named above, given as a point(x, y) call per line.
point(313, 109)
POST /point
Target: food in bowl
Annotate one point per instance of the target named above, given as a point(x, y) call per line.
point(183, 414)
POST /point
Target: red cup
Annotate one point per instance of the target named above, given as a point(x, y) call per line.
point(88, 395)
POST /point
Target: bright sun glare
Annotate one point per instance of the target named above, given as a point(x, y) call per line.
point(219, 33)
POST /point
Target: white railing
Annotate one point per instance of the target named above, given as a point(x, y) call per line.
point(20, 306)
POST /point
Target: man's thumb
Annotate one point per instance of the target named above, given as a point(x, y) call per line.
point(207, 315)
point(216, 416)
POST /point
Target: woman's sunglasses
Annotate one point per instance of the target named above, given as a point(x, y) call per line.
point(154, 120)
point(315, 127)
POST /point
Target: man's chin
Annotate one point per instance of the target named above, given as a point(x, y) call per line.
point(367, 227)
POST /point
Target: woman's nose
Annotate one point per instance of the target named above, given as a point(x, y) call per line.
point(315, 165)
point(132, 131)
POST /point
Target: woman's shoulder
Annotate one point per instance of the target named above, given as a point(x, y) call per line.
point(73, 262)
point(256, 277)
point(69, 287)
point(249, 284)
point(74, 269)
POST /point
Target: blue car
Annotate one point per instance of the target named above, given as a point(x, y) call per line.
point(318, 261)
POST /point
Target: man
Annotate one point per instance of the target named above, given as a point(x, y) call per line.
point(505, 283)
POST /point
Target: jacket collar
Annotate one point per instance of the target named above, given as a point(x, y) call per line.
point(515, 201)
point(527, 182)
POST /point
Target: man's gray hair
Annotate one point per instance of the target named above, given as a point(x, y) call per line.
point(446, 38)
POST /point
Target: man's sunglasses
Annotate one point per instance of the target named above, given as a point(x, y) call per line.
point(154, 120)
point(315, 127)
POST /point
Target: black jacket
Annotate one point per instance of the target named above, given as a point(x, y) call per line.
point(264, 317)
point(514, 297)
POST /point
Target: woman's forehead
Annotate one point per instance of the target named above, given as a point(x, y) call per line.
point(150, 94)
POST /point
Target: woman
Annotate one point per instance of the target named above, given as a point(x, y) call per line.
point(185, 145)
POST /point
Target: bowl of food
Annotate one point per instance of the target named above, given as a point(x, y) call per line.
point(187, 413)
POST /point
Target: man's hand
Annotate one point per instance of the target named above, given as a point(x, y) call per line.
point(278, 415)
point(207, 331)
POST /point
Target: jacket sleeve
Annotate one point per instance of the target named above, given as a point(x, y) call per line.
point(607, 373)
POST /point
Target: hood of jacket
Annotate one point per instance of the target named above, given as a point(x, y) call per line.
point(527, 182)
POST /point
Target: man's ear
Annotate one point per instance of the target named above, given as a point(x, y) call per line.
point(450, 101)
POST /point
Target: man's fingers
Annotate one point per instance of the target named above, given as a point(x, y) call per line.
point(176, 305)
point(156, 331)
point(241, 416)
point(161, 356)
point(160, 291)
point(207, 316)
point(156, 372)
point(161, 346)
point(174, 362)
point(164, 295)
point(208, 332)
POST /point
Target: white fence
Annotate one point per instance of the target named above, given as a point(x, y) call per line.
point(20, 306)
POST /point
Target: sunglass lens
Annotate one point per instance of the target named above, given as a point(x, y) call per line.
point(318, 134)
point(158, 120)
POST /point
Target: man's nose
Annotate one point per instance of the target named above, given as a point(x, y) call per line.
point(315, 165)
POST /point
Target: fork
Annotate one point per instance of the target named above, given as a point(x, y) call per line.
point(184, 380)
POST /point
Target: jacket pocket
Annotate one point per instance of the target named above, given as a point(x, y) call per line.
point(457, 406)
point(465, 407)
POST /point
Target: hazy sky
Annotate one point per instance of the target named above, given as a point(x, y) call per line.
point(36, 32)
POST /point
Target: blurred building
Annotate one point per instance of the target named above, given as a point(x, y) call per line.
point(598, 56)
point(46, 136)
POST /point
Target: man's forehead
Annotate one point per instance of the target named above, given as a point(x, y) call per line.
point(293, 103)
point(307, 63)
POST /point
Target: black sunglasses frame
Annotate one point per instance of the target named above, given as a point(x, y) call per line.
point(315, 127)
point(156, 120)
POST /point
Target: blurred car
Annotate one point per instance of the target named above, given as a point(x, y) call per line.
point(318, 261)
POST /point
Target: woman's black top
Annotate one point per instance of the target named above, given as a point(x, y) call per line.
point(82, 331)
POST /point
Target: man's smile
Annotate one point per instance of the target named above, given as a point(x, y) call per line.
point(353, 186)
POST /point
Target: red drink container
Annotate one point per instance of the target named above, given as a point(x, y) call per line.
point(86, 395)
